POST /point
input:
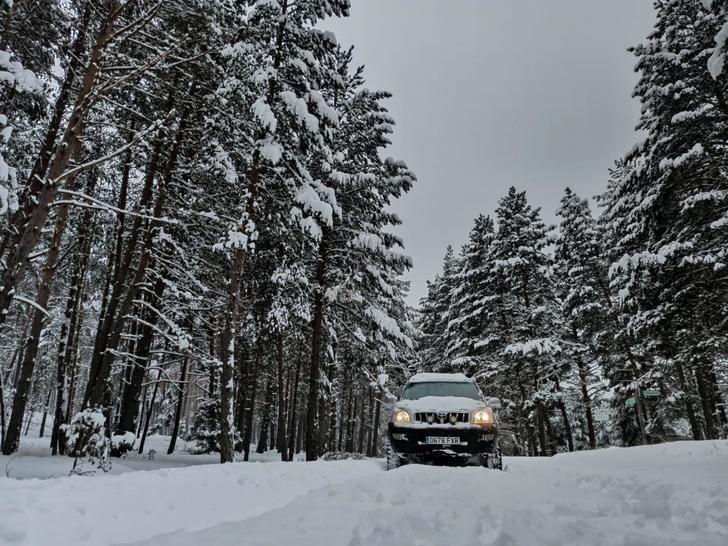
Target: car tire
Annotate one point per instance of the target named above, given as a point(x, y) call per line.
point(492, 461)
point(393, 460)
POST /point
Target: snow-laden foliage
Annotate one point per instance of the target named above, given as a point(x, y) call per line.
point(197, 228)
point(610, 329)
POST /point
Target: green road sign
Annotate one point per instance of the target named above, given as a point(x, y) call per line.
point(651, 393)
point(630, 402)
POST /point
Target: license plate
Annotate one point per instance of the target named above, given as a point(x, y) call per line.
point(442, 440)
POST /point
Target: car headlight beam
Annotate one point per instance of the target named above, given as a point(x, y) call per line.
point(483, 416)
point(401, 417)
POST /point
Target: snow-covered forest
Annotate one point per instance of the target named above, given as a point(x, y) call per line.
point(201, 262)
point(197, 240)
point(196, 231)
point(610, 327)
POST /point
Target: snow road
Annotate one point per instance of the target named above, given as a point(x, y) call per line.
point(674, 494)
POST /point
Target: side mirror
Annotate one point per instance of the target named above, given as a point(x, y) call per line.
point(494, 403)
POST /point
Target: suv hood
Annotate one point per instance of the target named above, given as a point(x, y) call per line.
point(441, 403)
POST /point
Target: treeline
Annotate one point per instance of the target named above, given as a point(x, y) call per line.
point(196, 228)
point(610, 330)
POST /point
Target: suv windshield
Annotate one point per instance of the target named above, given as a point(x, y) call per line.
point(415, 391)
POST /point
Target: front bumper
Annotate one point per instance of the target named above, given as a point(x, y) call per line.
point(408, 442)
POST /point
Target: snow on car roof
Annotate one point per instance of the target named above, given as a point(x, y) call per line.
point(440, 378)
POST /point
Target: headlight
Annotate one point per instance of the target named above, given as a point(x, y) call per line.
point(400, 417)
point(483, 417)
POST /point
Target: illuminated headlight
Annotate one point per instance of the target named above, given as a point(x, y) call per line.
point(483, 416)
point(400, 417)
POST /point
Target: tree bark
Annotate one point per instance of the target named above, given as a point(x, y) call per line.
point(130, 400)
point(250, 409)
point(293, 424)
point(39, 318)
point(689, 409)
point(70, 147)
point(178, 411)
point(262, 446)
point(281, 427)
point(312, 418)
point(97, 389)
point(149, 413)
point(375, 426)
point(586, 400)
point(710, 433)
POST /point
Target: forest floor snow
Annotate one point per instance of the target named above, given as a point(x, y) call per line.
point(671, 494)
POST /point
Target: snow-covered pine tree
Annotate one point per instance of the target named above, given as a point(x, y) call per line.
point(581, 284)
point(469, 328)
point(434, 316)
point(524, 310)
point(671, 244)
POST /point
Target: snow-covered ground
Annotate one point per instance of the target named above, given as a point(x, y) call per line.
point(674, 494)
point(33, 459)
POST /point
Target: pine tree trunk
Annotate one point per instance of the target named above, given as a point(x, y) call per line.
point(281, 427)
point(373, 449)
point(362, 421)
point(44, 419)
point(250, 406)
point(710, 433)
point(262, 446)
point(70, 146)
point(180, 402)
point(586, 401)
point(540, 423)
point(114, 286)
point(130, 399)
point(689, 409)
point(370, 425)
point(565, 417)
point(40, 167)
point(39, 317)
point(149, 412)
point(293, 423)
point(312, 418)
point(97, 389)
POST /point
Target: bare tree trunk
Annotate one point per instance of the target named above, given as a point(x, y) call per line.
point(370, 426)
point(250, 409)
point(375, 426)
point(31, 349)
point(130, 400)
point(38, 172)
point(149, 413)
point(586, 401)
point(293, 424)
point(362, 420)
point(281, 427)
point(710, 433)
point(564, 417)
point(44, 419)
point(312, 417)
point(97, 389)
point(262, 446)
point(26, 239)
point(180, 401)
point(689, 409)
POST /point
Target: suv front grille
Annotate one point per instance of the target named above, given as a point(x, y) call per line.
point(442, 418)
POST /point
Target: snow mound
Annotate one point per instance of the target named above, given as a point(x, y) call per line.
point(657, 495)
point(135, 506)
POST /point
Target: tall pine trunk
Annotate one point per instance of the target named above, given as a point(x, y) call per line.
point(281, 426)
point(180, 402)
point(312, 417)
point(53, 255)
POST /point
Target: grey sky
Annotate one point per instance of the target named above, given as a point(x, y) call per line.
point(494, 93)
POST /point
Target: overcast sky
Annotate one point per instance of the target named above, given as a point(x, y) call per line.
point(494, 93)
